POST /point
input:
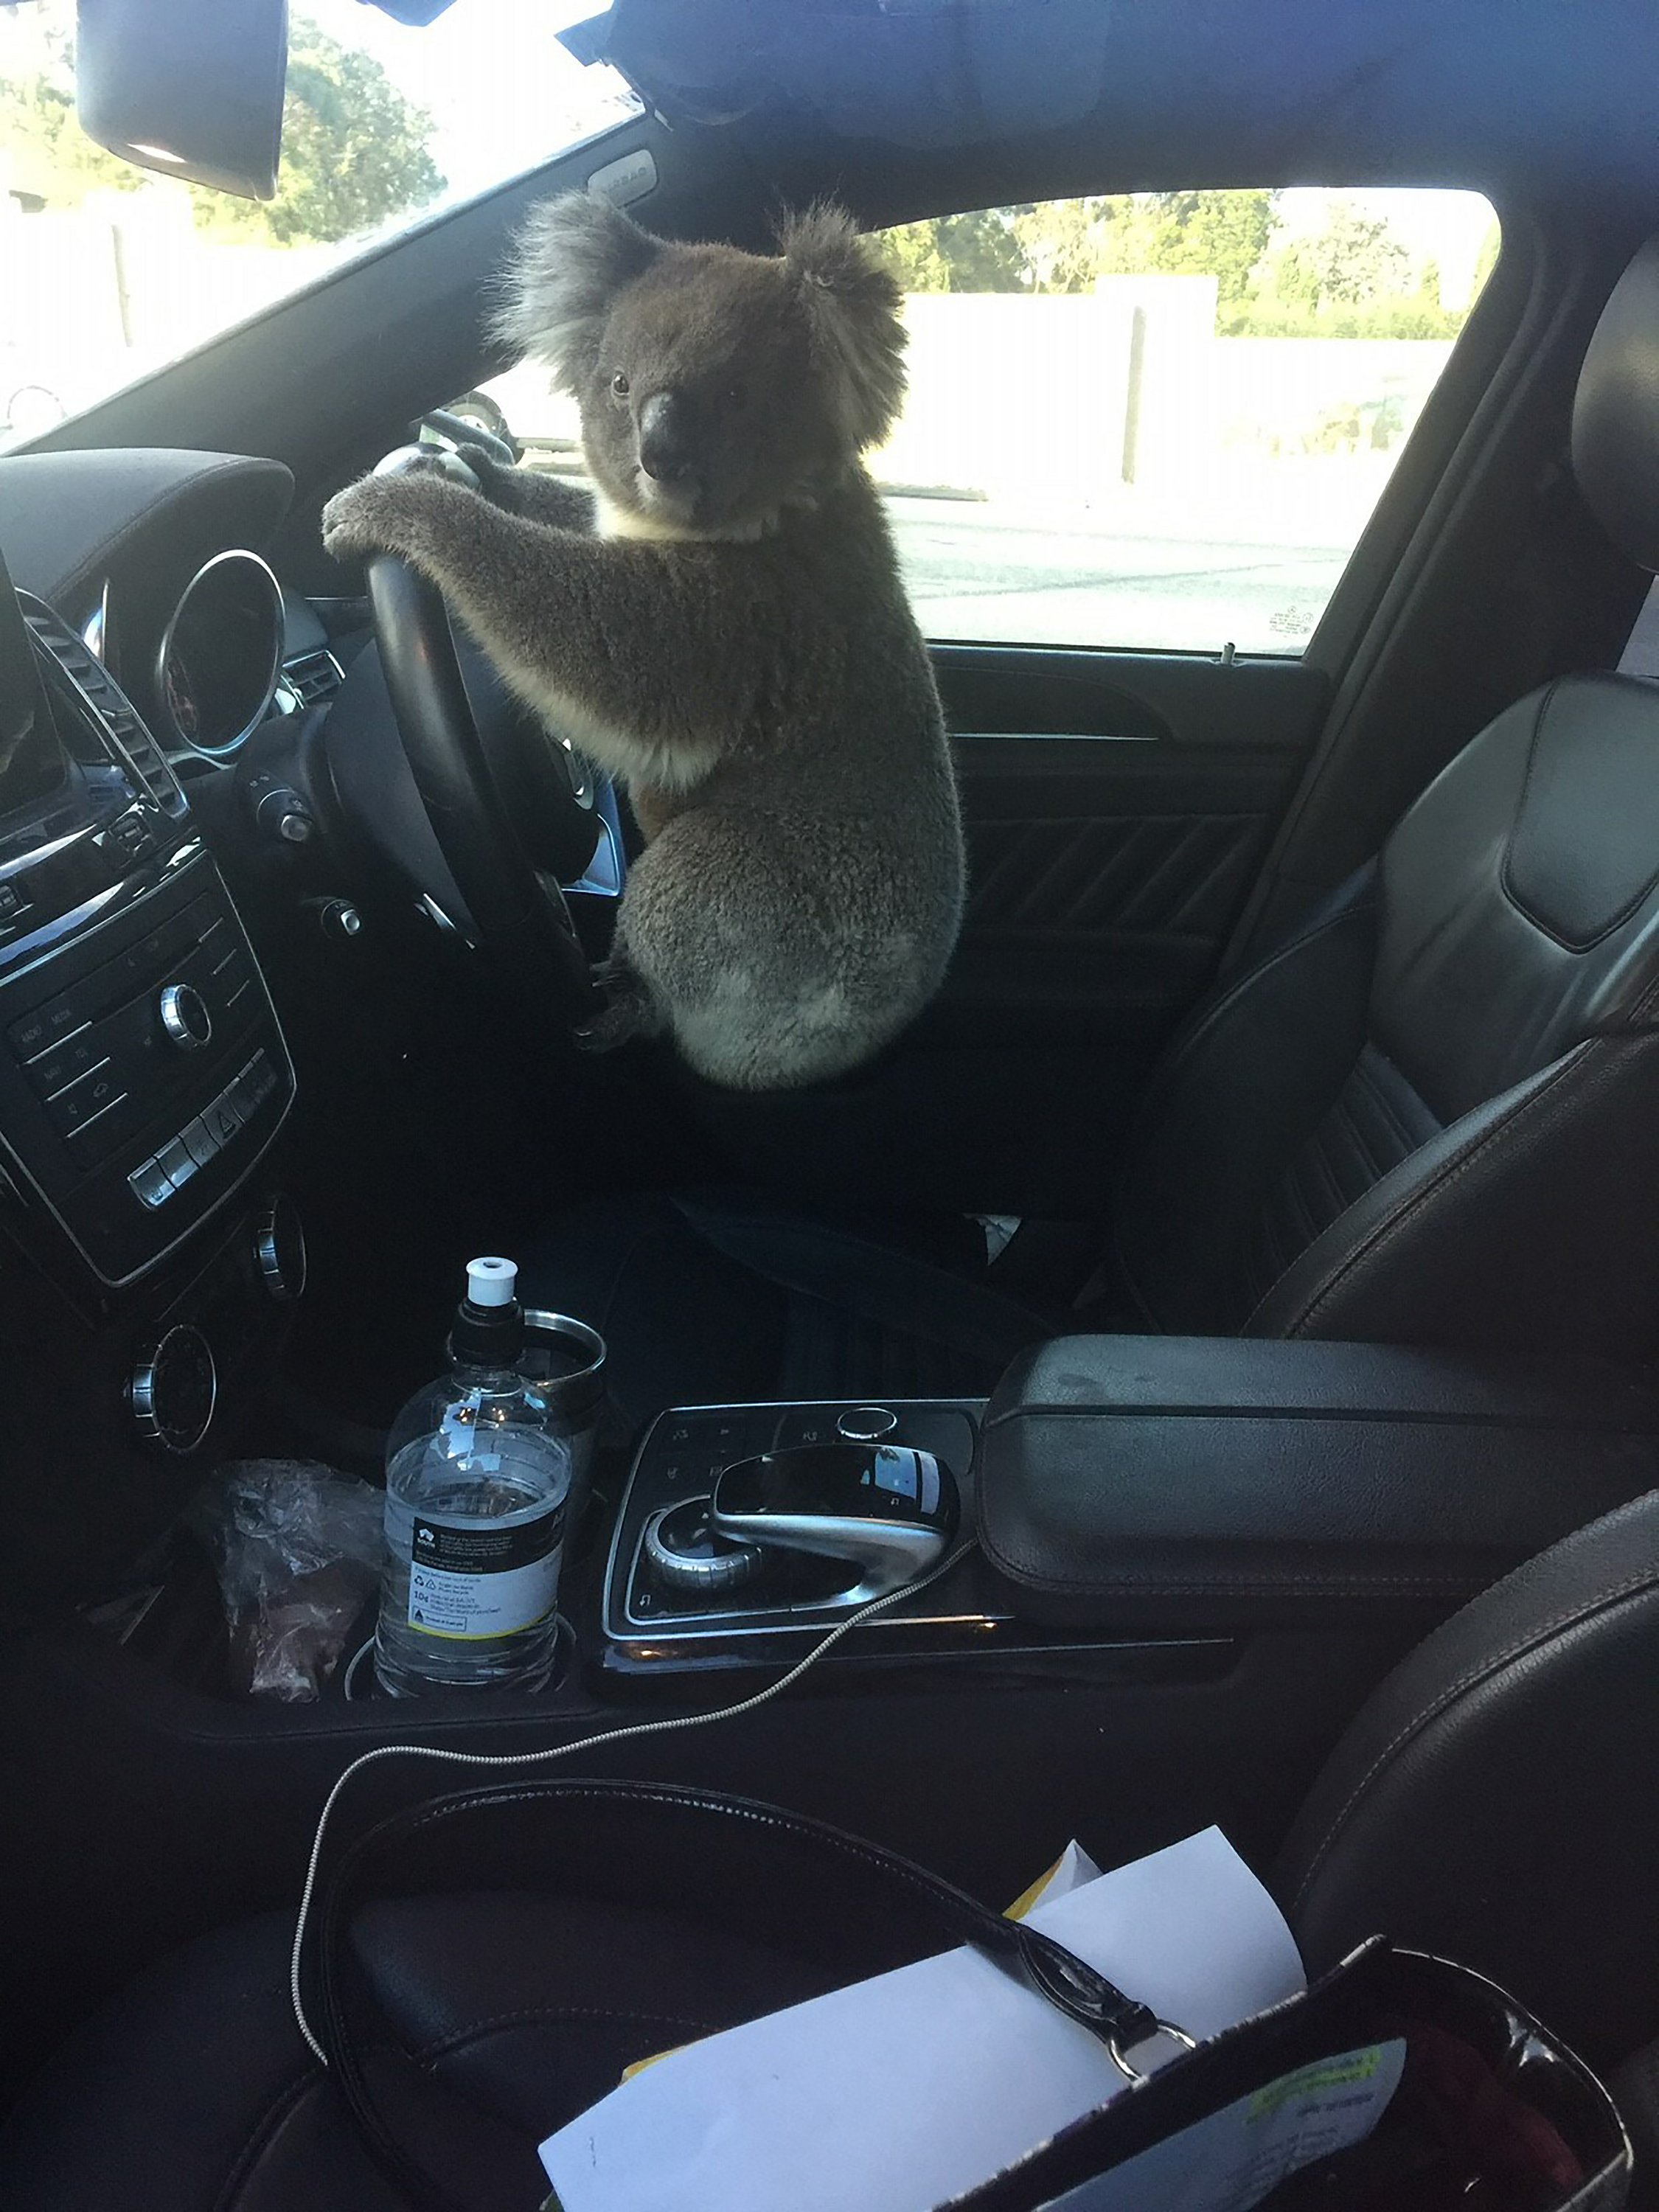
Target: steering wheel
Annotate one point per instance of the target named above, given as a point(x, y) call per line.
point(511, 818)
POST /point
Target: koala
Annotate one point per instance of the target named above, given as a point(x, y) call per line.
point(722, 627)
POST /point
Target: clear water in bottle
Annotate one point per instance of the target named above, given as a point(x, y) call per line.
point(476, 1496)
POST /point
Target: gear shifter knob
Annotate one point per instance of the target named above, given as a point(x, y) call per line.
point(889, 1508)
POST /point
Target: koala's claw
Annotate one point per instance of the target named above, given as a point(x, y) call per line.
point(625, 1012)
point(495, 479)
point(362, 518)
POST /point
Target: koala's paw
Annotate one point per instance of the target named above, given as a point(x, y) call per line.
point(381, 515)
point(626, 1013)
point(498, 483)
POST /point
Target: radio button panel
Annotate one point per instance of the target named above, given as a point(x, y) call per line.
point(128, 1140)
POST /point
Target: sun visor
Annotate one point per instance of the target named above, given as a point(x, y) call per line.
point(918, 73)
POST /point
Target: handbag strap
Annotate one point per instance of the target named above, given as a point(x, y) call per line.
point(943, 1917)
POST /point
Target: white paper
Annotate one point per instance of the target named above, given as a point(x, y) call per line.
point(901, 2093)
point(1230, 2161)
point(1069, 1871)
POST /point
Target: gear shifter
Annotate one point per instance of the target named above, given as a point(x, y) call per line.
point(887, 1509)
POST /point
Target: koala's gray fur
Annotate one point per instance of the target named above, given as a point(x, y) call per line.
point(734, 643)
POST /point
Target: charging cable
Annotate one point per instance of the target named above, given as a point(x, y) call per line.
point(500, 1759)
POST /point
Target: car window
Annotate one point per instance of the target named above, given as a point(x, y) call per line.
point(1162, 420)
point(106, 272)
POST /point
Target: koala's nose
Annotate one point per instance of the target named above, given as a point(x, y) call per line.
point(665, 444)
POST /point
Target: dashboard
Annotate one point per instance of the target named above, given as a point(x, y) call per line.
point(145, 1255)
point(182, 743)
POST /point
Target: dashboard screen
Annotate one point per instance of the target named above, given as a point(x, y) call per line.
point(31, 759)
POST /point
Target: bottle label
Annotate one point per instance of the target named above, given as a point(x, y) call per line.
point(475, 1582)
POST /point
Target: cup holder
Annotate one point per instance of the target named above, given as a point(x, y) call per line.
point(355, 1682)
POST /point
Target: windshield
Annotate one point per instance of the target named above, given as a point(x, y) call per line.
point(107, 271)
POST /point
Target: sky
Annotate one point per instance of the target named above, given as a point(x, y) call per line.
point(502, 92)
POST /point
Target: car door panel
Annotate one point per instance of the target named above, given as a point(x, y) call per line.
point(1117, 807)
point(1112, 846)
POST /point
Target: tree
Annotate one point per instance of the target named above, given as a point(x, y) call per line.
point(1350, 263)
point(1068, 243)
point(1063, 242)
point(1224, 234)
point(973, 253)
point(354, 149)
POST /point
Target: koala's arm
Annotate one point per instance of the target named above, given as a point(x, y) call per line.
point(661, 649)
point(529, 492)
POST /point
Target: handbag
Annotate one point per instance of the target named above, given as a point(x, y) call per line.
point(1492, 2113)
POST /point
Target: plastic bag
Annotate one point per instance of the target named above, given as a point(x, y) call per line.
point(297, 1550)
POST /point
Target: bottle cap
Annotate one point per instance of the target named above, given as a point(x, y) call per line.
point(491, 1282)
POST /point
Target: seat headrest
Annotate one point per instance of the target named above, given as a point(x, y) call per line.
point(1615, 414)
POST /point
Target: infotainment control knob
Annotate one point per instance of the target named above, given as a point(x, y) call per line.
point(687, 1554)
point(279, 1250)
point(867, 1424)
point(185, 1017)
point(174, 1388)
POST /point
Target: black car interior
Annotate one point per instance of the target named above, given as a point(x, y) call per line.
point(1303, 1021)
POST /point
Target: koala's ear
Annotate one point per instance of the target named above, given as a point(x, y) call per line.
point(852, 306)
point(570, 260)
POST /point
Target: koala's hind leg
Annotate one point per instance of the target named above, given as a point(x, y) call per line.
point(765, 982)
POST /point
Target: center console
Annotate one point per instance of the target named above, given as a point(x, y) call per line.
point(143, 1079)
point(1164, 1491)
point(142, 1070)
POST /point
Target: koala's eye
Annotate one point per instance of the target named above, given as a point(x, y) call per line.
point(619, 385)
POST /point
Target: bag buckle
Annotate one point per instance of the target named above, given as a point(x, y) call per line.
point(1083, 1995)
point(1120, 2056)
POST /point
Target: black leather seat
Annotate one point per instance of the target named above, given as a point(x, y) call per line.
point(1425, 1117)
point(1493, 1802)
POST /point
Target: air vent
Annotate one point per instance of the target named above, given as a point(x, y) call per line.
point(313, 678)
point(109, 703)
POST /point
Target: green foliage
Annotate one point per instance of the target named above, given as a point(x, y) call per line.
point(974, 252)
point(354, 149)
point(43, 149)
point(1350, 262)
point(1350, 279)
point(1219, 234)
point(353, 152)
point(1064, 245)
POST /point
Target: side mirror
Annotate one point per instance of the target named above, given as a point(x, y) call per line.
point(189, 87)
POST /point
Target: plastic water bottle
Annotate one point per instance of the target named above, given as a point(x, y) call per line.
point(475, 1496)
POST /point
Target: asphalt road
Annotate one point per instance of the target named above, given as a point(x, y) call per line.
point(976, 572)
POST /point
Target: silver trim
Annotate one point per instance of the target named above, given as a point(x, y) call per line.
point(57, 1045)
point(225, 746)
point(175, 1011)
point(887, 1553)
point(267, 1256)
point(49, 630)
point(74, 1080)
point(94, 631)
point(625, 1629)
point(727, 1571)
point(91, 1122)
point(867, 1425)
point(142, 1389)
point(286, 686)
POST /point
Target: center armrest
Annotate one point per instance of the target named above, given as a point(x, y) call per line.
point(1222, 1482)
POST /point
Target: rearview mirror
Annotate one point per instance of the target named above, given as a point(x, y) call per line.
point(190, 88)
